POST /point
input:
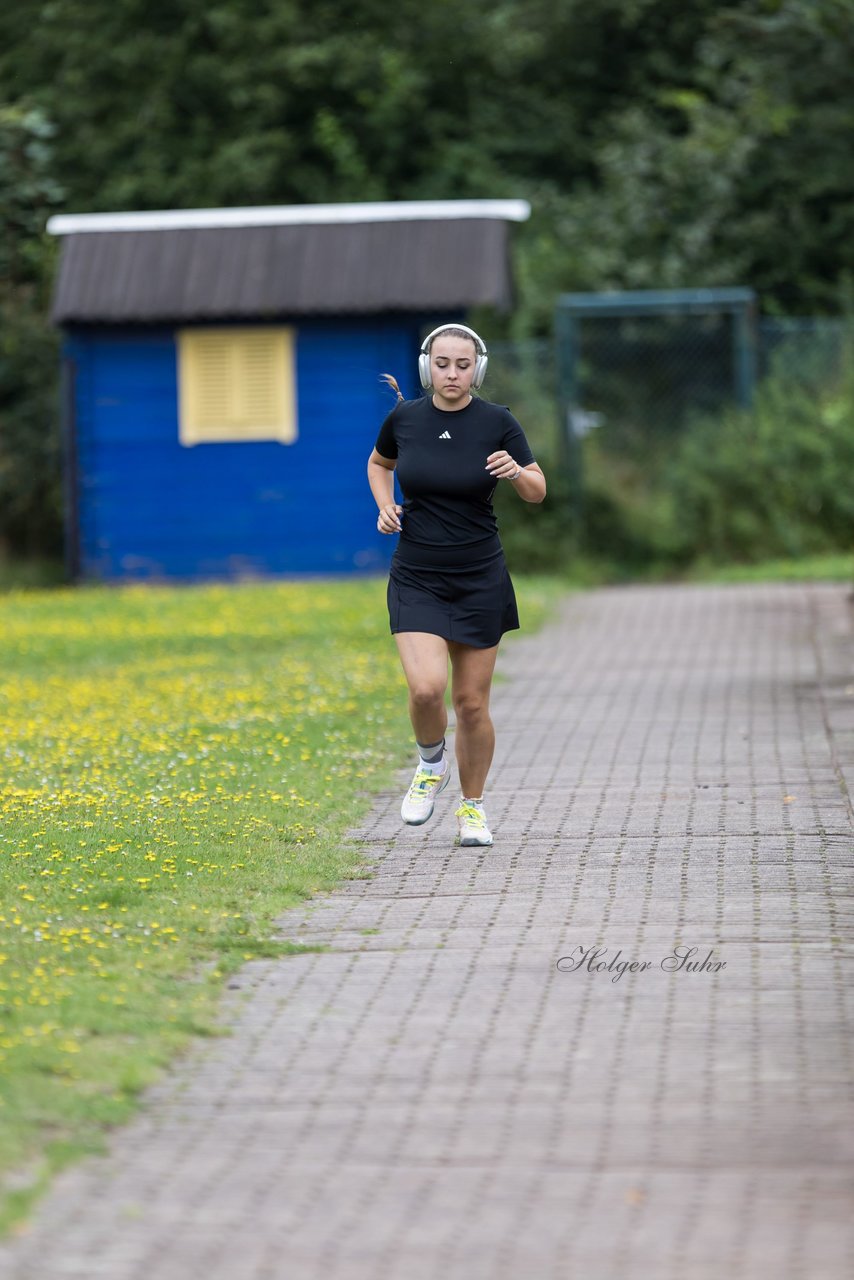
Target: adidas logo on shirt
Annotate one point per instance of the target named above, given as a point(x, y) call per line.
point(446, 435)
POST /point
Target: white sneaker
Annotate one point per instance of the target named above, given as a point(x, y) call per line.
point(419, 800)
point(473, 828)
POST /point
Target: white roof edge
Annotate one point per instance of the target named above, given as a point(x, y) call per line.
point(64, 224)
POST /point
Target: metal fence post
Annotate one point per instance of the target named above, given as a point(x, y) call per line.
point(567, 355)
point(744, 352)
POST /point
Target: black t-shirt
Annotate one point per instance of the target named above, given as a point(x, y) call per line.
point(441, 465)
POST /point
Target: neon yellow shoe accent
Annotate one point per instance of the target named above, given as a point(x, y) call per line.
point(473, 828)
point(419, 800)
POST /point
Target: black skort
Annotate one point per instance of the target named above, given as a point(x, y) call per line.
point(472, 603)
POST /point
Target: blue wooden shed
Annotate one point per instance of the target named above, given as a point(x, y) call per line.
point(221, 368)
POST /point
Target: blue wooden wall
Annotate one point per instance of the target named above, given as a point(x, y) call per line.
point(148, 507)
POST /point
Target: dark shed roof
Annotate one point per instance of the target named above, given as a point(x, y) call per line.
point(394, 262)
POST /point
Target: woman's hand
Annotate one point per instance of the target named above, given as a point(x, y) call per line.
point(528, 482)
point(502, 466)
point(388, 520)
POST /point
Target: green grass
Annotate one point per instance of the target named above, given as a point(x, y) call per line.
point(180, 765)
point(833, 567)
point(587, 571)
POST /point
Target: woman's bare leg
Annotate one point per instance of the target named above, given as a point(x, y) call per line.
point(424, 658)
point(475, 735)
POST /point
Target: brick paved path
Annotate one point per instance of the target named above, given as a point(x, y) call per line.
point(434, 1099)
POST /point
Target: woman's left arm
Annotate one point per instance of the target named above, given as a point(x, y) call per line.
point(529, 482)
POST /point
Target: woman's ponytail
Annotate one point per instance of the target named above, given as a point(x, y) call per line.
point(392, 382)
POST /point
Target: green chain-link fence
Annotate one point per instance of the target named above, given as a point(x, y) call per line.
point(626, 375)
point(636, 366)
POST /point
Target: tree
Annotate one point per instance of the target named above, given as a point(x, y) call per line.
point(742, 177)
point(30, 478)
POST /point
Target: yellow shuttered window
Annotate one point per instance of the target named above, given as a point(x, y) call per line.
point(236, 384)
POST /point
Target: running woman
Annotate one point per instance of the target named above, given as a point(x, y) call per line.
point(449, 592)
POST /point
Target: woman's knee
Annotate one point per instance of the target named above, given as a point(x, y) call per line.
point(471, 707)
point(426, 694)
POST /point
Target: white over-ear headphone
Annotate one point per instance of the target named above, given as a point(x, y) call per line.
point(481, 360)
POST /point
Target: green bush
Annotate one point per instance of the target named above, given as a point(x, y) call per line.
point(538, 538)
point(774, 481)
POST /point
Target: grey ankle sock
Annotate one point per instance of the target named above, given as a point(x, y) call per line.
point(431, 753)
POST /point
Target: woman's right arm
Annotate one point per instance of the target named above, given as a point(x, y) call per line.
point(381, 480)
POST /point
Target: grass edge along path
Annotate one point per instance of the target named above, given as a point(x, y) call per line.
point(180, 764)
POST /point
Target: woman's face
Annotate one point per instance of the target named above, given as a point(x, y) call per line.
point(452, 367)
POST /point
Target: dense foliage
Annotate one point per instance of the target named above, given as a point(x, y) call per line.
point(662, 143)
point(29, 438)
